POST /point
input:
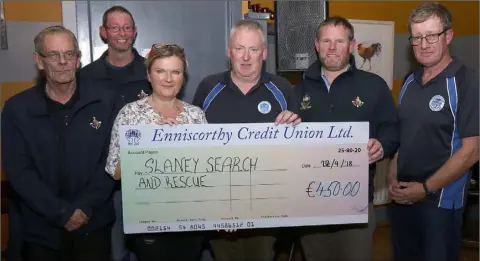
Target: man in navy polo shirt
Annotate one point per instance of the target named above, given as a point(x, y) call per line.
point(245, 94)
point(438, 143)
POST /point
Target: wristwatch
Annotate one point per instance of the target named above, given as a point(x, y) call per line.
point(428, 192)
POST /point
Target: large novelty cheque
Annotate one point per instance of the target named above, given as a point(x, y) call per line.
point(241, 176)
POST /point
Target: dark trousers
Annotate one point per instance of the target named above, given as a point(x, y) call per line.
point(181, 246)
point(348, 242)
point(15, 240)
point(244, 245)
point(425, 232)
point(94, 246)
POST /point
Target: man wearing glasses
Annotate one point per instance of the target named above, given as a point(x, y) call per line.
point(438, 143)
point(55, 139)
point(122, 69)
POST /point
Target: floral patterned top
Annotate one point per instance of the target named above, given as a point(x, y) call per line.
point(141, 112)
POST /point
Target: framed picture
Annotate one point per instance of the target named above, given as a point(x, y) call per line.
point(374, 53)
point(374, 47)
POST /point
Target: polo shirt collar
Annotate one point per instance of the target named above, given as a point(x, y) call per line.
point(450, 71)
point(39, 106)
point(227, 80)
point(325, 79)
point(137, 66)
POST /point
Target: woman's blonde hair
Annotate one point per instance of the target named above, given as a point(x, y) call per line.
point(160, 51)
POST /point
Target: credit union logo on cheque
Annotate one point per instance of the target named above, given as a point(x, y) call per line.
point(133, 136)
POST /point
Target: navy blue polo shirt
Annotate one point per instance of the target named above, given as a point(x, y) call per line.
point(223, 102)
point(434, 118)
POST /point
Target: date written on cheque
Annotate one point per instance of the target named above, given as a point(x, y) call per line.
point(333, 163)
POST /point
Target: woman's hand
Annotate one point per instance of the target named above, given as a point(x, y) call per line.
point(169, 121)
point(118, 172)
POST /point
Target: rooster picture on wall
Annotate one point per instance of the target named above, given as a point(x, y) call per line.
point(367, 51)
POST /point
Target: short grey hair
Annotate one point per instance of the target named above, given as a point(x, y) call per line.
point(427, 10)
point(39, 39)
point(248, 25)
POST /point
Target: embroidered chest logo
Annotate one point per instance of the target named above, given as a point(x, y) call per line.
point(264, 107)
point(133, 136)
point(95, 123)
point(436, 103)
point(305, 104)
point(357, 102)
point(142, 95)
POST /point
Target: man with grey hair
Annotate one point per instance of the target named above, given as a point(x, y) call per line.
point(246, 94)
point(439, 129)
point(55, 139)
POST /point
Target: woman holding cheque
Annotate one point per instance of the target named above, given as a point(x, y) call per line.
point(167, 71)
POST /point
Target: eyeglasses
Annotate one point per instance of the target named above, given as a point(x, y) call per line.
point(56, 56)
point(116, 28)
point(431, 38)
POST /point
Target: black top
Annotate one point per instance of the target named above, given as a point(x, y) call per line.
point(434, 117)
point(33, 153)
point(355, 95)
point(60, 115)
point(130, 82)
point(119, 74)
point(223, 102)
